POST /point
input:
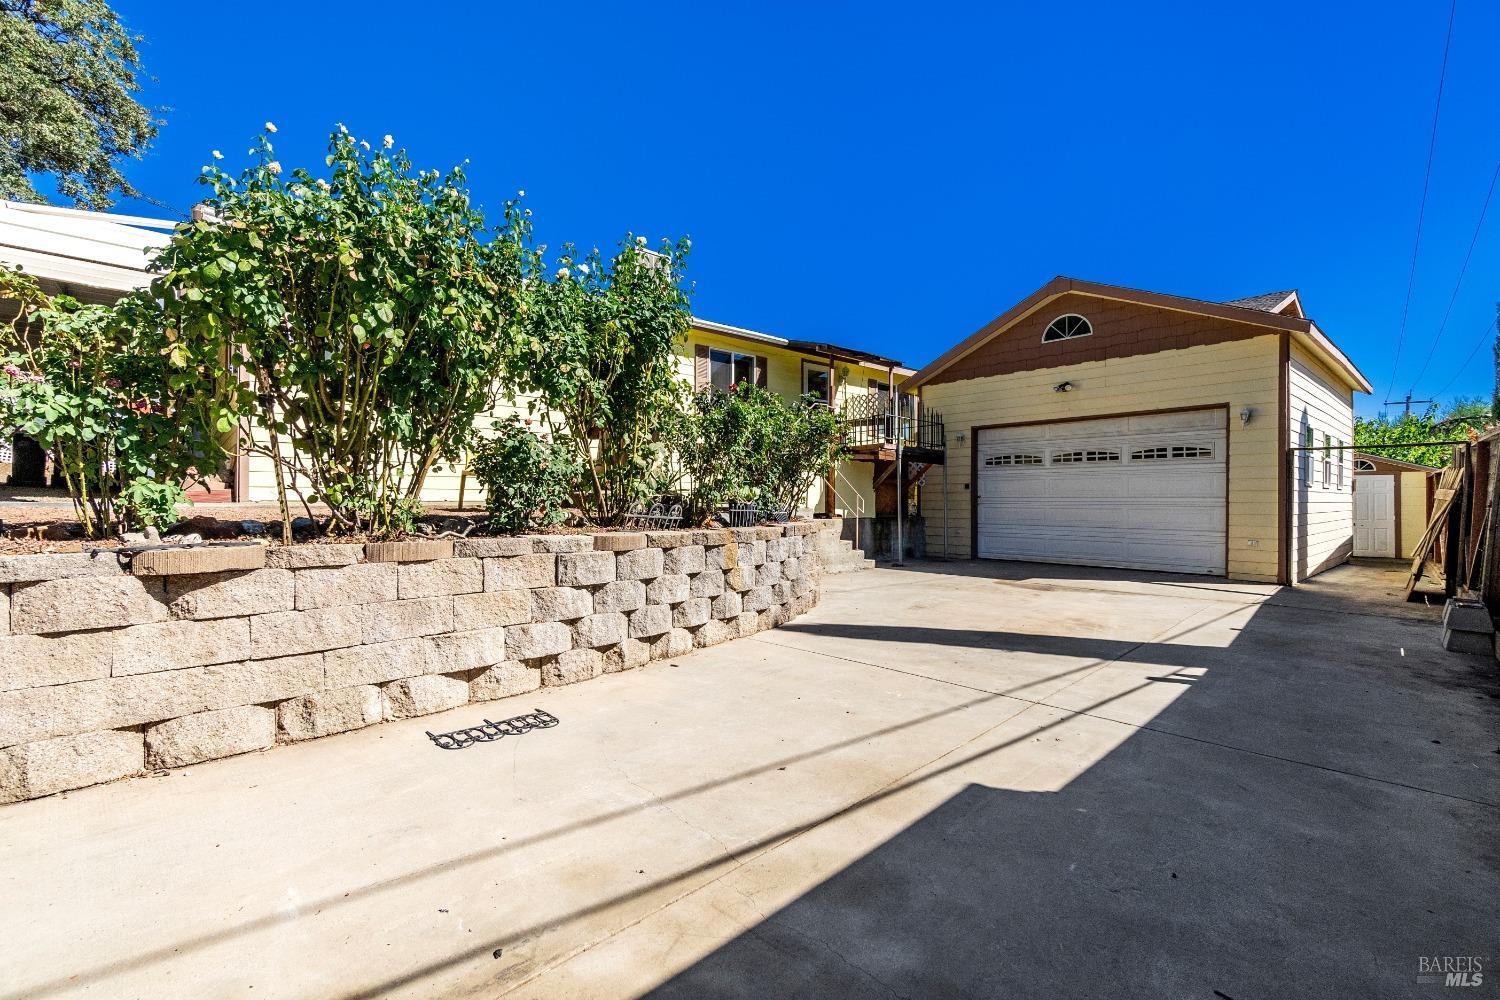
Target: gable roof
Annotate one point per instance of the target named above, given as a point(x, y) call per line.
point(1304, 329)
point(1271, 302)
point(1398, 463)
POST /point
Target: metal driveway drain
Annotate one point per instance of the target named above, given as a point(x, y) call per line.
point(488, 732)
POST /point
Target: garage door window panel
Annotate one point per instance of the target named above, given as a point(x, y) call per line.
point(1085, 456)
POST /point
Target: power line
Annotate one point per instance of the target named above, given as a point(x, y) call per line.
point(1483, 336)
point(1461, 272)
point(1422, 209)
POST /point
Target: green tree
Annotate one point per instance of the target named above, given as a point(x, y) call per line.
point(68, 80)
point(598, 346)
point(1408, 428)
point(374, 312)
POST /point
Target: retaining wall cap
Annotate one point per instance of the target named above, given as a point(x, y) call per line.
point(409, 551)
point(177, 560)
point(668, 539)
point(490, 548)
point(620, 541)
point(59, 566)
point(317, 556)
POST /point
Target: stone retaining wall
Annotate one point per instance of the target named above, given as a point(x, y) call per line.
point(106, 673)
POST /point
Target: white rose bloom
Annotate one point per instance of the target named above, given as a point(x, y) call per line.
point(520, 194)
point(274, 166)
point(640, 241)
point(270, 127)
point(563, 272)
point(583, 269)
point(389, 142)
point(218, 155)
point(324, 185)
point(365, 144)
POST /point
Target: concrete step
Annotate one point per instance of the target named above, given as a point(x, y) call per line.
point(840, 556)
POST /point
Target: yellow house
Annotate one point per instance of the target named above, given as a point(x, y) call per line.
point(1109, 426)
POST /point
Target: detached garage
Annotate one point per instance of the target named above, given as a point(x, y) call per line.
point(1106, 426)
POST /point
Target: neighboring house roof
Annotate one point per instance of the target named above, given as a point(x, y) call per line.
point(1306, 330)
point(1382, 460)
point(93, 256)
point(810, 348)
point(1271, 302)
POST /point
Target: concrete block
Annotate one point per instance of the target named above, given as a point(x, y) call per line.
point(414, 696)
point(740, 579)
point(791, 568)
point(287, 633)
point(379, 662)
point(714, 632)
point(314, 556)
point(679, 642)
point(606, 629)
point(572, 666)
point(668, 539)
point(490, 548)
point(560, 604)
point(585, 569)
point(753, 554)
point(780, 592)
point(531, 642)
point(521, 572)
point(49, 766)
point(145, 649)
point(61, 566)
point(231, 595)
point(692, 613)
point(727, 605)
point(366, 583)
point(802, 586)
point(620, 541)
point(722, 556)
point(411, 550)
point(209, 736)
point(179, 560)
point(504, 680)
point(757, 599)
point(85, 603)
point(711, 536)
point(686, 559)
point(491, 609)
point(1467, 616)
point(673, 588)
point(324, 713)
point(709, 583)
point(1458, 641)
point(622, 595)
point(117, 702)
point(776, 550)
point(440, 578)
point(748, 623)
point(767, 573)
point(651, 620)
point(392, 620)
point(642, 564)
point(627, 655)
point(28, 661)
point(561, 543)
point(467, 650)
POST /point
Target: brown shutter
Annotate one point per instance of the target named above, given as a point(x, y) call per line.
point(760, 371)
point(700, 366)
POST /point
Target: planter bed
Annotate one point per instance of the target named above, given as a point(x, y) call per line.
point(105, 673)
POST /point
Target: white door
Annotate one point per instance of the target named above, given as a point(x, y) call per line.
point(1375, 516)
point(1146, 492)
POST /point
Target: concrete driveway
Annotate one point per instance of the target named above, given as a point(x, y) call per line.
point(948, 780)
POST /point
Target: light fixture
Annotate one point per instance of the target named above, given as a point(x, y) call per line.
point(1245, 414)
point(1063, 387)
point(961, 437)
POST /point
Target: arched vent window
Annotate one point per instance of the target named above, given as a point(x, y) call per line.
point(1363, 465)
point(1066, 328)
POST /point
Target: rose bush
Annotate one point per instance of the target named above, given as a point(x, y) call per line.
point(528, 479)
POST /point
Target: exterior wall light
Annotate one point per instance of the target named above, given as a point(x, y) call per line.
point(1245, 416)
point(1063, 387)
point(961, 436)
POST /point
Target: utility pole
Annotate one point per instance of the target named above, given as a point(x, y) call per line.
point(1406, 402)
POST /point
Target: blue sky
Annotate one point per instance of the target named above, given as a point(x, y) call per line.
point(893, 177)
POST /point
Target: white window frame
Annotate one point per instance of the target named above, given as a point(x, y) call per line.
point(808, 366)
point(1088, 329)
point(731, 358)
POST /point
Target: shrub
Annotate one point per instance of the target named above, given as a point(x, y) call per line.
point(749, 445)
point(527, 479)
point(598, 347)
point(374, 311)
point(99, 389)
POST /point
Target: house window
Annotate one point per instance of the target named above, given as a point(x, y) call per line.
point(1363, 465)
point(1085, 455)
point(1327, 461)
point(1338, 457)
point(1017, 459)
point(816, 381)
point(1066, 328)
point(727, 369)
point(1305, 456)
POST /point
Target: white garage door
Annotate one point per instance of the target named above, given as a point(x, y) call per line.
point(1143, 492)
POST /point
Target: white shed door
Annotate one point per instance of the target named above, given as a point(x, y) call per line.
point(1375, 516)
point(1146, 492)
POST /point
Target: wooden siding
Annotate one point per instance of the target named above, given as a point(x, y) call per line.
point(1322, 484)
point(1411, 492)
point(1237, 373)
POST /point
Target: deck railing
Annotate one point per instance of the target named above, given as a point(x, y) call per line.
point(875, 418)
